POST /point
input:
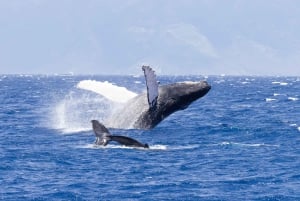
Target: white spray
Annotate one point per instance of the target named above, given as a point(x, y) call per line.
point(75, 111)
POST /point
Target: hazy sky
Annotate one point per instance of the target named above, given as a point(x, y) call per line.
point(211, 37)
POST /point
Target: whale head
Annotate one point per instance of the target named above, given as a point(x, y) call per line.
point(179, 96)
point(171, 98)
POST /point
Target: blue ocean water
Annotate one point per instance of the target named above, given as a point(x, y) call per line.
point(239, 142)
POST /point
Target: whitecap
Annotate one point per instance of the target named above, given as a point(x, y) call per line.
point(299, 128)
point(225, 143)
point(293, 98)
point(248, 145)
point(219, 81)
point(183, 147)
point(270, 99)
point(280, 83)
point(158, 147)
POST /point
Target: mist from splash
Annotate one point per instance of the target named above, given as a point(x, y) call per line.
point(88, 100)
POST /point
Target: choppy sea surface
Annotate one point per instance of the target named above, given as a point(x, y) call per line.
point(239, 142)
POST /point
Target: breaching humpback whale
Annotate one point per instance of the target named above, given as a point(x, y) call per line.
point(103, 137)
point(147, 110)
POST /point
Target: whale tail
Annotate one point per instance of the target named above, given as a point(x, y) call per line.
point(103, 137)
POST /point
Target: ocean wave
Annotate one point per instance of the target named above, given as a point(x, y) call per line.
point(270, 99)
point(113, 146)
point(278, 94)
point(293, 98)
point(280, 83)
point(151, 147)
point(246, 145)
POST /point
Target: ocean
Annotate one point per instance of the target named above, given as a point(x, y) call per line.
point(239, 142)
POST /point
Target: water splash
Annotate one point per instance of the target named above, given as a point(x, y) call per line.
point(75, 110)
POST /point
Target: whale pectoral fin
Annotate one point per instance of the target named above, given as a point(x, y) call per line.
point(152, 86)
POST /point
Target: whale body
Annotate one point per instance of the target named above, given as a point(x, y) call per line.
point(147, 110)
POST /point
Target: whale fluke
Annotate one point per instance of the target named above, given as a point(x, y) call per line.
point(103, 137)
